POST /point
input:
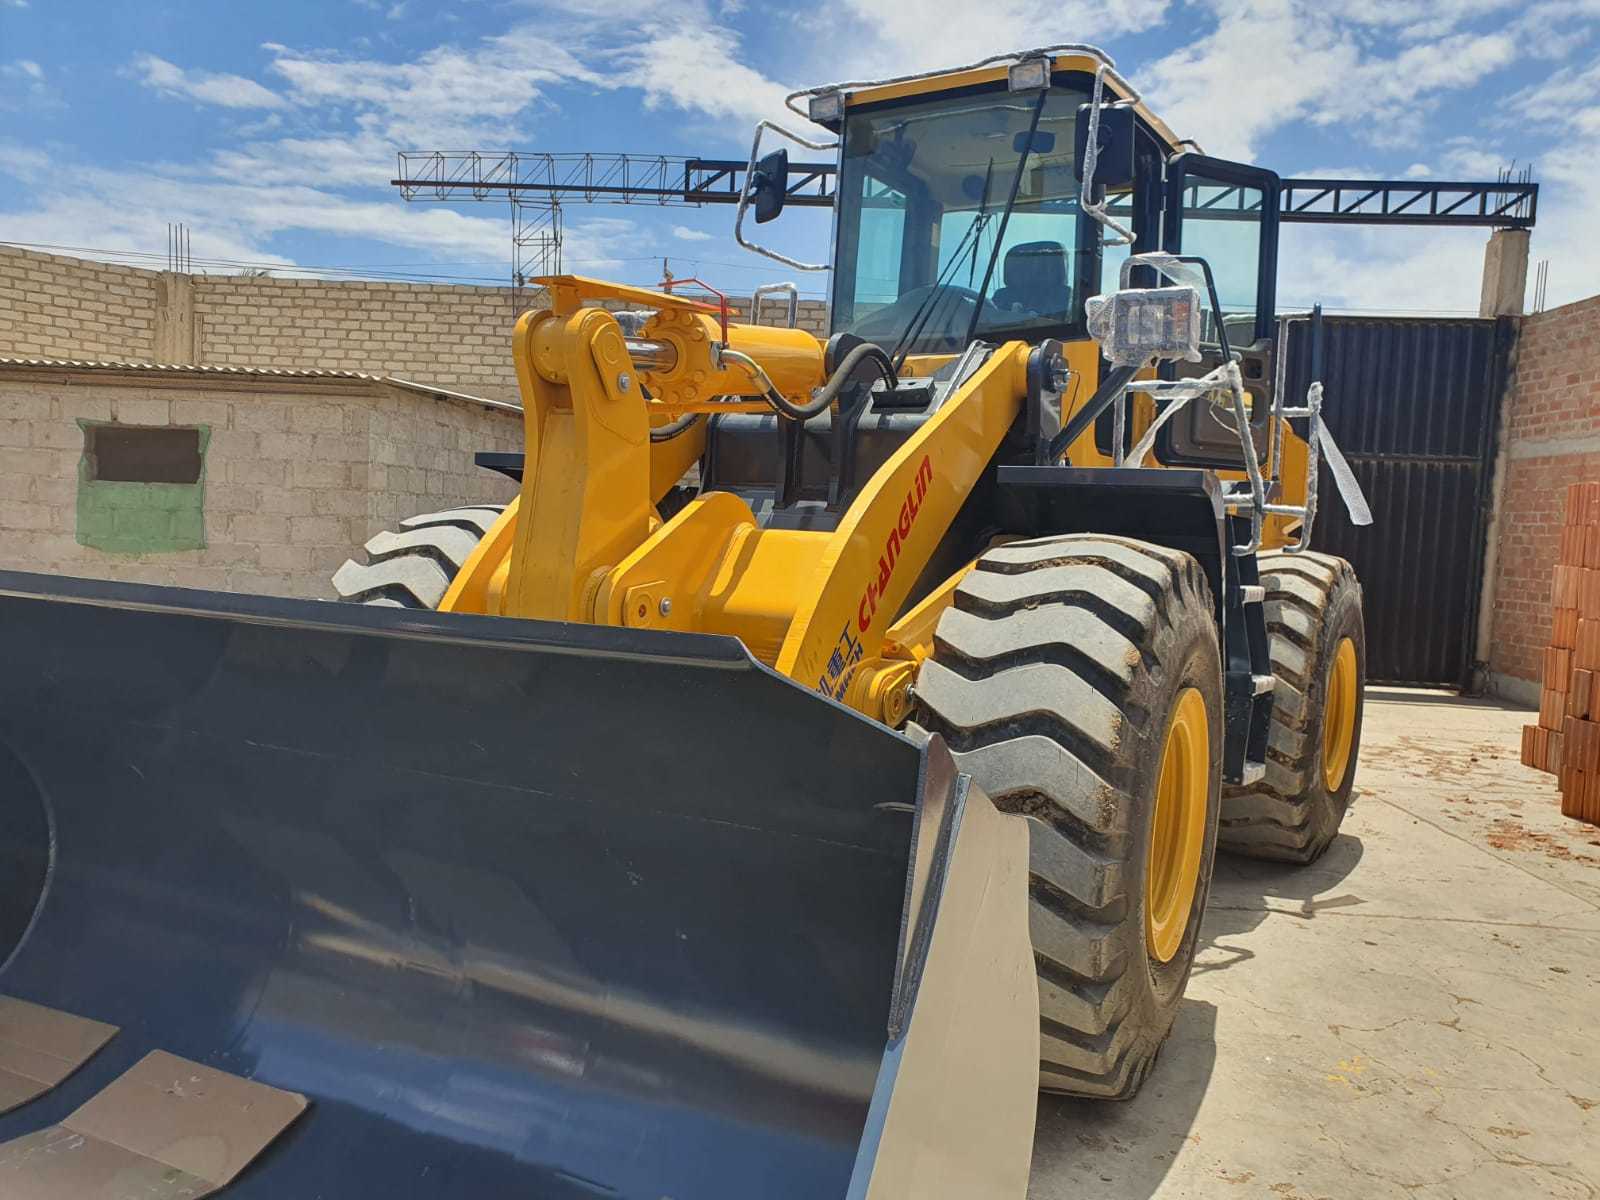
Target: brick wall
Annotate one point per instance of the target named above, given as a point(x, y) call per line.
point(296, 477)
point(56, 307)
point(452, 336)
point(455, 337)
point(1551, 437)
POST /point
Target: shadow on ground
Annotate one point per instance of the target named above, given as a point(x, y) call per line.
point(1084, 1147)
point(1400, 695)
point(1244, 891)
point(1088, 1143)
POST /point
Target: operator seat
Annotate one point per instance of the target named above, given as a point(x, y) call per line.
point(1035, 280)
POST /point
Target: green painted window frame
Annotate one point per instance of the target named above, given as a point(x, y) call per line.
point(122, 517)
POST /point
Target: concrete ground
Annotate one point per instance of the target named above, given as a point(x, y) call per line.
point(1416, 1015)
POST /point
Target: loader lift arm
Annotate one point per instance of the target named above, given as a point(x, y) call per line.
point(819, 605)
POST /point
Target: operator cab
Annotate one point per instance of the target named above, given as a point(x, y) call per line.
point(923, 187)
point(959, 225)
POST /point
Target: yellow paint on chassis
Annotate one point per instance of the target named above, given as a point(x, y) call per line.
point(887, 536)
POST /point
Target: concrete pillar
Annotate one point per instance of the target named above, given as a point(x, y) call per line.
point(177, 333)
point(1505, 273)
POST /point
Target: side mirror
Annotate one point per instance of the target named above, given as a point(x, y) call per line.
point(768, 185)
point(1113, 166)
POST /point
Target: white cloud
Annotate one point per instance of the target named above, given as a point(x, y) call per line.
point(316, 154)
point(1306, 61)
point(1469, 158)
point(1419, 20)
point(320, 158)
point(699, 70)
point(1404, 270)
point(909, 35)
point(449, 97)
point(359, 160)
point(1265, 65)
point(226, 91)
point(1382, 71)
point(234, 221)
point(22, 163)
point(23, 86)
point(1553, 97)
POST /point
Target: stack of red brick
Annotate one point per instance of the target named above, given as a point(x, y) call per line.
point(1566, 741)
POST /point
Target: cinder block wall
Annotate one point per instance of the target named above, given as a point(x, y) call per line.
point(1551, 437)
point(294, 482)
point(452, 336)
point(55, 307)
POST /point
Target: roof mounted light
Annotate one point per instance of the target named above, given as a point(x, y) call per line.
point(1028, 75)
point(827, 107)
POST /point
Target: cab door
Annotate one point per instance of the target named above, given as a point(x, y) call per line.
point(1227, 213)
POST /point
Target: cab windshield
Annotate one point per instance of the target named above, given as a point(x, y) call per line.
point(921, 193)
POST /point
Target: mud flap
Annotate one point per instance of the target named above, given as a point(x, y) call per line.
point(520, 908)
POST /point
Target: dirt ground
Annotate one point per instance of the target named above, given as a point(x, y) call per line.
point(1417, 1015)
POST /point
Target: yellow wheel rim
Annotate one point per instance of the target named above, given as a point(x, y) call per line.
point(1339, 716)
point(1178, 826)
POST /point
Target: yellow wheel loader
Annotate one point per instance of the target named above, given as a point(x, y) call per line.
point(824, 751)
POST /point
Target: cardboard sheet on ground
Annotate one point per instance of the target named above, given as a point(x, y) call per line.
point(40, 1047)
point(165, 1129)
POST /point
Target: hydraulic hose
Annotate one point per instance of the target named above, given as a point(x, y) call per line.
point(829, 392)
point(665, 433)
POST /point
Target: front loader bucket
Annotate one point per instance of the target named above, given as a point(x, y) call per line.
point(522, 909)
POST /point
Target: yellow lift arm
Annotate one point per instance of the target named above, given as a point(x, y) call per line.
point(583, 543)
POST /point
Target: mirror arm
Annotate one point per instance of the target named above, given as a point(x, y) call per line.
point(1091, 152)
point(744, 194)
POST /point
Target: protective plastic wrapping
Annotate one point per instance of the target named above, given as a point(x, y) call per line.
point(1135, 325)
point(1177, 393)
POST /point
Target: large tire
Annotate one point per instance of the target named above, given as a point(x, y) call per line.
point(412, 567)
point(1054, 676)
point(1292, 814)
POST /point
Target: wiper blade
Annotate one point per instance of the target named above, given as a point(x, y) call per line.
point(913, 330)
point(1005, 216)
point(983, 209)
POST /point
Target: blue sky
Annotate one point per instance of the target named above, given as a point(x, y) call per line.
point(270, 128)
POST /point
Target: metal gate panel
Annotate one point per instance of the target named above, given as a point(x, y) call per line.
point(1413, 402)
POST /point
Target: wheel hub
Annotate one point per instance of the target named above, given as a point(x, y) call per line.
point(1339, 716)
point(1178, 826)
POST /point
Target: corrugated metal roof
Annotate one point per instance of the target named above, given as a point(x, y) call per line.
point(85, 364)
point(278, 373)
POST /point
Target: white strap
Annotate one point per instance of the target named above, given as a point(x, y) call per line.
point(1344, 478)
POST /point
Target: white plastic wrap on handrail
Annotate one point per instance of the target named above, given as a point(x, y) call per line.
point(1355, 500)
point(1159, 260)
point(1176, 393)
point(1344, 479)
point(1091, 156)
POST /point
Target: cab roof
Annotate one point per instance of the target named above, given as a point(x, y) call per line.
point(1069, 57)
